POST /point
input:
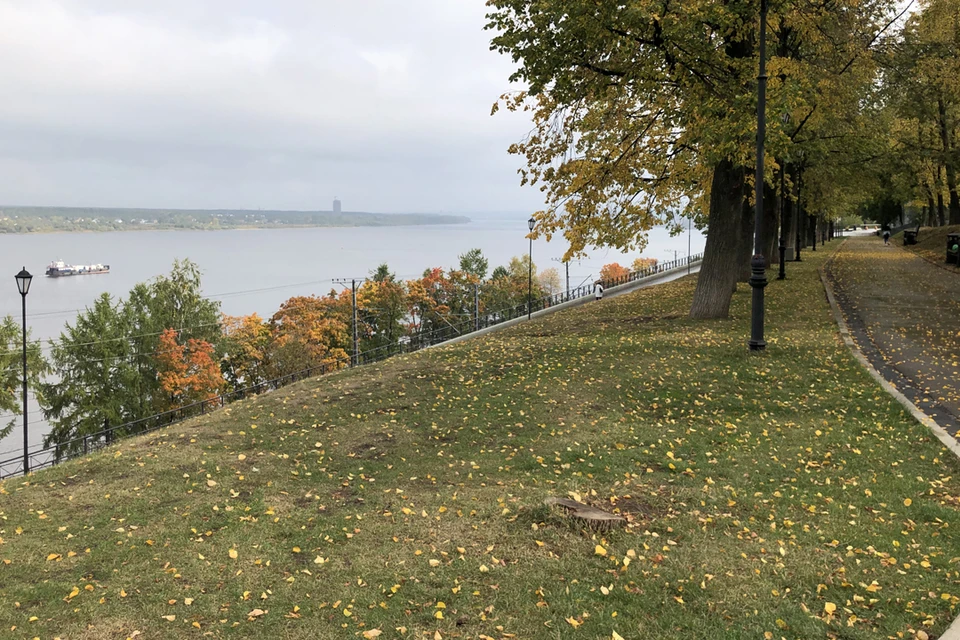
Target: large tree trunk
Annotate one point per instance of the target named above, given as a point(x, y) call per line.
point(948, 162)
point(718, 275)
point(930, 210)
point(941, 214)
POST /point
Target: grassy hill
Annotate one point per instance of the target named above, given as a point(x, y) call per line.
point(782, 495)
point(931, 244)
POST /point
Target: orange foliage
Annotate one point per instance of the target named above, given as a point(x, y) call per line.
point(245, 344)
point(644, 263)
point(187, 372)
point(613, 271)
point(309, 331)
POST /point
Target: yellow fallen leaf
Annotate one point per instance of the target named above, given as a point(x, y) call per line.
point(232, 553)
point(434, 563)
point(211, 483)
point(616, 636)
point(907, 502)
point(829, 607)
point(256, 613)
point(600, 551)
point(372, 633)
point(241, 457)
point(169, 618)
point(573, 622)
point(53, 556)
point(188, 601)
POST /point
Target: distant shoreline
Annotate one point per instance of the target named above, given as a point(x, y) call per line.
point(27, 220)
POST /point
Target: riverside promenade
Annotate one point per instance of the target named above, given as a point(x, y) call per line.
point(904, 314)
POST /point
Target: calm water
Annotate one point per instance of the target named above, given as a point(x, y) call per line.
point(256, 270)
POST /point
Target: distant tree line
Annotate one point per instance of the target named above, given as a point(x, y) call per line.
point(165, 345)
point(48, 219)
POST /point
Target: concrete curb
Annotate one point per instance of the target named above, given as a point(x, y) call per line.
point(953, 631)
point(612, 292)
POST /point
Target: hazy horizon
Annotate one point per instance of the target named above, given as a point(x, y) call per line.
point(248, 105)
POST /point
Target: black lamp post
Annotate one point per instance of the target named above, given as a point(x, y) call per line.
point(23, 285)
point(531, 223)
point(758, 264)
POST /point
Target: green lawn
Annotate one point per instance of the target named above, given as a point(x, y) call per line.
point(781, 495)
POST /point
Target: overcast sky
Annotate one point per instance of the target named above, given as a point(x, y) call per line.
point(274, 104)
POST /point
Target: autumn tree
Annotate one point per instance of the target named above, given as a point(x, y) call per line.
point(648, 112)
point(309, 332)
point(641, 264)
point(430, 301)
point(187, 370)
point(382, 309)
point(104, 366)
point(922, 90)
point(613, 272)
point(243, 350)
point(507, 288)
point(549, 281)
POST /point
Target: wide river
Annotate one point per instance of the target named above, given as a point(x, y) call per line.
point(256, 270)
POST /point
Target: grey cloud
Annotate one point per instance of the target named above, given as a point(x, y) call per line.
point(255, 104)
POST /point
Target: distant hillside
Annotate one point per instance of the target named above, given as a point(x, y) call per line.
point(47, 219)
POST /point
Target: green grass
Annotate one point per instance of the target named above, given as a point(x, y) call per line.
point(761, 492)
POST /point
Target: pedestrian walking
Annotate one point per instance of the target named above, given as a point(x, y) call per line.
point(598, 290)
point(886, 237)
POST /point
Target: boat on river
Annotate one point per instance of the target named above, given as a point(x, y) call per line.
point(60, 269)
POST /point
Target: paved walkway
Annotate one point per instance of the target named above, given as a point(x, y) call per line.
point(904, 314)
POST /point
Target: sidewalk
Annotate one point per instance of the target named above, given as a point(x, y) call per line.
point(904, 314)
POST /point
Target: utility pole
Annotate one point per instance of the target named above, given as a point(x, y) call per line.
point(356, 342)
point(567, 265)
point(689, 241)
point(476, 307)
point(355, 359)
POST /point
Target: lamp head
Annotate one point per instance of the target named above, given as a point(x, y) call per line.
point(23, 281)
point(531, 223)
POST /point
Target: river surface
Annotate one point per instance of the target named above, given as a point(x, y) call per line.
point(256, 270)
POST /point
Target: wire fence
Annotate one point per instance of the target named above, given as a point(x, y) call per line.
point(48, 455)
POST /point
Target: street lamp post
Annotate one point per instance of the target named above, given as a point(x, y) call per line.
point(23, 285)
point(758, 264)
point(531, 223)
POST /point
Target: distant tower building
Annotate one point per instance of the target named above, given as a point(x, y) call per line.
point(336, 205)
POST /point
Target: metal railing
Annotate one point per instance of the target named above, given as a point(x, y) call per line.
point(48, 455)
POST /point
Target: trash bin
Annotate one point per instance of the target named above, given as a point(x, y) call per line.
point(953, 248)
point(909, 237)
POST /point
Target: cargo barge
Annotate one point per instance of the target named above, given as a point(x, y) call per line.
point(61, 269)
